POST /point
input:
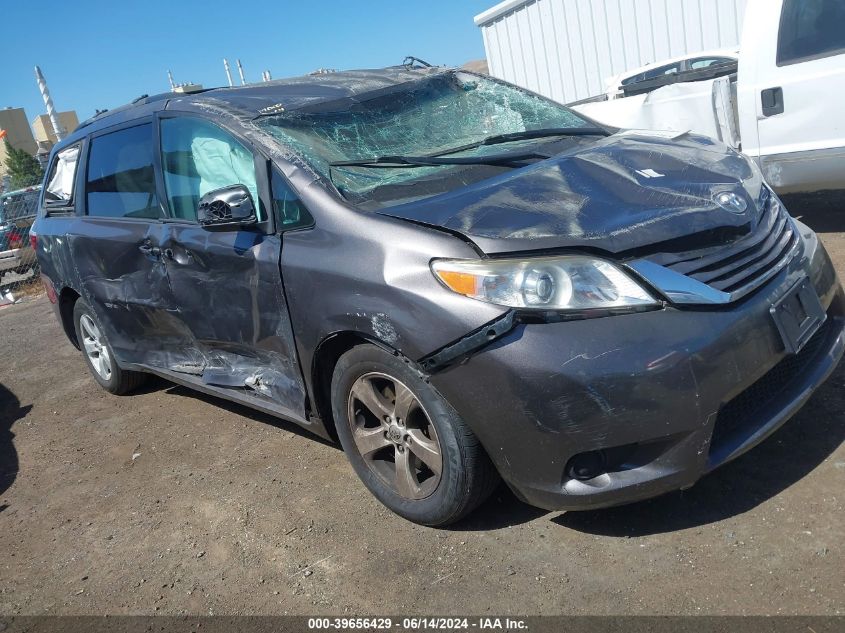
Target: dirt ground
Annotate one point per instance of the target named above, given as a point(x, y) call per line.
point(172, 502)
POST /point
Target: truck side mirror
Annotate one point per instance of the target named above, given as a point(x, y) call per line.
point(230, 207)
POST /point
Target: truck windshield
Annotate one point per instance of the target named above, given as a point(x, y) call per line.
point(423, 118)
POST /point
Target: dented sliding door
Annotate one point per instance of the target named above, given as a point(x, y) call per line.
point(115, 245)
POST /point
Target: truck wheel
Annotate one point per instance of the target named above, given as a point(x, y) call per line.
point(98, 353)
point(406, 443)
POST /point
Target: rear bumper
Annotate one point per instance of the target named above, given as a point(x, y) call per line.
point(646, 390)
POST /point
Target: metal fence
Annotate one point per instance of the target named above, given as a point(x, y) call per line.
point(19, 275)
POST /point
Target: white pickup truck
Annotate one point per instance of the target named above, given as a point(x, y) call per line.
point(783, 107)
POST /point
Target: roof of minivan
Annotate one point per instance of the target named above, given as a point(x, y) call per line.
point(270, 97)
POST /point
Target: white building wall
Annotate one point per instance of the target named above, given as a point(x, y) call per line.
point(567, 49)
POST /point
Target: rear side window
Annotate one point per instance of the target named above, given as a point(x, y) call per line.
point(198, 157)
point(121, 179)
point(811, 29)
point(58, 191)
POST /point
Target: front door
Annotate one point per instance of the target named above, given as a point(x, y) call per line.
point(227, 283)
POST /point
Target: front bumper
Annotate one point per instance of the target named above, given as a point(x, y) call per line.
point(666, 396)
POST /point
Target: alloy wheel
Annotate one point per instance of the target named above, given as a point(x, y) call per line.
point(95, 347)
point(394, 435)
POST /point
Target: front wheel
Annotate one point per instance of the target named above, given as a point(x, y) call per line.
point(99, 355)
point(406, 443)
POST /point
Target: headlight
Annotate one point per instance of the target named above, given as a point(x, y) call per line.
point(547, 283)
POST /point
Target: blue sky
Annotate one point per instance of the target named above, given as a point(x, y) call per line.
point(98, 54)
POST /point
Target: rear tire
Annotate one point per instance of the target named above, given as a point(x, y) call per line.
point(98, 353)
point(406, 443)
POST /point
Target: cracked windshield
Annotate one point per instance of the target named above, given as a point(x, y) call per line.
point(424, 118)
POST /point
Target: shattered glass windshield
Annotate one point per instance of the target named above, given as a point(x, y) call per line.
point(424, 117)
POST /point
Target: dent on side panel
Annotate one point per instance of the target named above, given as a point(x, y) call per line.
point(370, 275)
point(127, 289)
point(237, 333)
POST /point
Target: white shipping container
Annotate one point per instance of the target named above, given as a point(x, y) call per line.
point(567, 49)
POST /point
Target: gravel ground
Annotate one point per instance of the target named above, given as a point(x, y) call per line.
point(172, 502)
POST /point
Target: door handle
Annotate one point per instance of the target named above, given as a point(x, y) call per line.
point(772, 101)
point(180, 256)
point(149, 250)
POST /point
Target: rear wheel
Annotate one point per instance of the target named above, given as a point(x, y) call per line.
point(406, 443)
point(98, 353)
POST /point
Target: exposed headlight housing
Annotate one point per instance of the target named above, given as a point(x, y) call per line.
point(568, 282)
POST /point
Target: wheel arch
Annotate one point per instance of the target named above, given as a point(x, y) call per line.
point(66, 302)
point(325, 358)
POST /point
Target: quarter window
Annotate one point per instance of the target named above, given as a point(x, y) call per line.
point(290, 212)
point(198, 157)
point(121, 179)
point(59, 189)
point(810, 29)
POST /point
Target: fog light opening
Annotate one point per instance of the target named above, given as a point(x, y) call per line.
point(586, 466)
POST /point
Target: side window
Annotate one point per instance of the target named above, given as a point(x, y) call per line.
point(58, 191)
point(120, 181)
point(811, 29)
point(707, 62)
point(289, 210)
point(198, 157)
point(670, 69)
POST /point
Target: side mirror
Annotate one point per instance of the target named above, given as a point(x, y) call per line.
point(227, 207)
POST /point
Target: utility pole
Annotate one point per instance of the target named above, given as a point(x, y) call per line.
point(48, 102)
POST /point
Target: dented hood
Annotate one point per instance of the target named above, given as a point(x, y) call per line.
point(621, 193)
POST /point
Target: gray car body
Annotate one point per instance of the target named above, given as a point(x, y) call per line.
point(537, 389)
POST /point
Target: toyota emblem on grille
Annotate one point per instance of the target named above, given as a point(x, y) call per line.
point(731, 202)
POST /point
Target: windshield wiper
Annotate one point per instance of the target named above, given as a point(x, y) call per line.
point(429, 160)
point(526, 135)
point(433, 161)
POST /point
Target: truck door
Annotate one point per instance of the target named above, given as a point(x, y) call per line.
point(227, 282)
point(795, 84)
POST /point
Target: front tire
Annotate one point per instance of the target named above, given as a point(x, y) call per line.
point(98, 353)
point(406, 443)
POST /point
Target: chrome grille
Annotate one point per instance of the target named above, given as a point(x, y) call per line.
point(745, 264)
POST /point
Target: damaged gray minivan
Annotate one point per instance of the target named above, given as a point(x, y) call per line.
point(456, 278)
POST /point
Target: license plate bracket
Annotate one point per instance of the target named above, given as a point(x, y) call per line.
point(798, 315)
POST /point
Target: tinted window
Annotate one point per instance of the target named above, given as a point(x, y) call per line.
point(198, 157)
point(121, 181)
point(811, 28)
point(290, 212)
